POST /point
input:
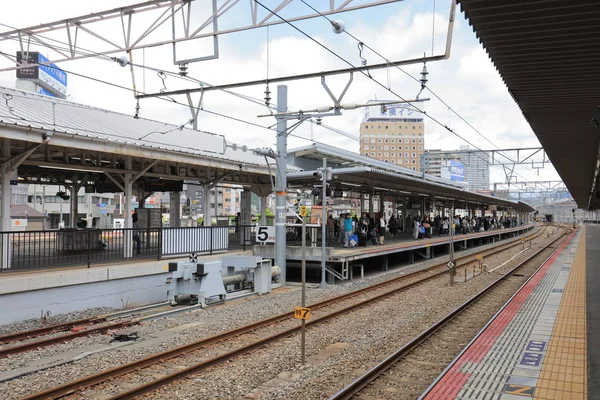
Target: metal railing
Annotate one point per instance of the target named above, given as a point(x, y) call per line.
point(69, 247)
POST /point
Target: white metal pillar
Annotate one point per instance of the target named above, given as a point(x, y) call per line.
point(128, 186)
point(5, 207)
point(175, 209)
point(263, 210)
point(245, 216)
point(281, 185)
point(404, 221)
point(207, 210)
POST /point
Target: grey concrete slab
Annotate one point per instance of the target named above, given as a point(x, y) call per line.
point(593, 306)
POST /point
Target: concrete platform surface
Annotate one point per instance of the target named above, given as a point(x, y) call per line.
point(536, 346)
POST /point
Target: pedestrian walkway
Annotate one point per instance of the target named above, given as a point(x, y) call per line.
point(535, 347)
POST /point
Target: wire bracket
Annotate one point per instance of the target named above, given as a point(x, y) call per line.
point(337, 100)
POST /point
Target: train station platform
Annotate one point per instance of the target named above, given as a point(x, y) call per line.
point(537, 345)
point(336, 253)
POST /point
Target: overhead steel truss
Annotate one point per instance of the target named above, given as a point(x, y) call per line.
point(141, 27)
point(534, 192)
point(523, 155)
point(531, 186)
point(534, 157)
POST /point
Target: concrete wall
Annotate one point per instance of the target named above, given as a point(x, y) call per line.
point(26, 295)
point(118, 293)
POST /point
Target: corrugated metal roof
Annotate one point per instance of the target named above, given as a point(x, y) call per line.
point(26, 109)
point(547, 52)
point(22, 211)
point(365, 178)
point(344, 158)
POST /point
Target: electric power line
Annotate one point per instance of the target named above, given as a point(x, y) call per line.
point(417, 80)
point(368, 75)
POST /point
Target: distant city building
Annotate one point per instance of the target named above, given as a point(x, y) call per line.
point(476, 165)
point(394, 134)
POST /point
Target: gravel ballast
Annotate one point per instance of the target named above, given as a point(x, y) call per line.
point(407, 313)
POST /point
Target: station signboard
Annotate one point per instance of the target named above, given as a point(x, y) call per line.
point(457, 170)
point(393, 111)
point(52, 81)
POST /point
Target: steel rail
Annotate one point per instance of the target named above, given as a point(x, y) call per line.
point(45, 330)
point(63, 338)
point(153, 385)
point(91, 380)
point(362, 381)
point(65, 326)
point(88, 331)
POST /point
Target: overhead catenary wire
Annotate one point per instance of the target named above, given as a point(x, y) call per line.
point(366, 74)
point(84, 51)
point(154, 141)
point(171, 100)
point(87, 52)
point(362, 44)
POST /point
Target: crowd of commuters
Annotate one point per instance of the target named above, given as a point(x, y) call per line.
point(353, 231)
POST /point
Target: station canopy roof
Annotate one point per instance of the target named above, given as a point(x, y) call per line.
point(74, 138)
point(353, 172)
point(546, 51)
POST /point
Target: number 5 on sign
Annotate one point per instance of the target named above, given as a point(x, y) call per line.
point(302, 313)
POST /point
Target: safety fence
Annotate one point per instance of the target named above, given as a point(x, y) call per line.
point(68, 247)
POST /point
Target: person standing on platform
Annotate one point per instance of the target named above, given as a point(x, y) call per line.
point(381, 228)
point(416, 226)
point(347, 229)
point(136, 233)
point(392, 225)
point(342, 227)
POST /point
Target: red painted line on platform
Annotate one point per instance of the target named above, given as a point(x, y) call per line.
point(454, 380)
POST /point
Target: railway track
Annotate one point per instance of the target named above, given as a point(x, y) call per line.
point(102, 324)
point(20, 342)
point(179, 362)
point(410, 370)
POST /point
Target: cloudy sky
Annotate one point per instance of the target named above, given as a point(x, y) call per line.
point(467, 82)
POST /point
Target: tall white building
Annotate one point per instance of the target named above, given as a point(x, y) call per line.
point(476, 165)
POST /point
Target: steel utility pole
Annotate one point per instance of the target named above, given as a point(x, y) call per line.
point(281, 183)
point(451, 263)
point(303, 339)
point(324, 227)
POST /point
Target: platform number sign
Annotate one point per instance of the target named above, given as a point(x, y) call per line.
point(265, 234)
point(302, 211)
point(302, 313)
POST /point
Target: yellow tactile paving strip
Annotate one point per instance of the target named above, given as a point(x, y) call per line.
point(564, 369)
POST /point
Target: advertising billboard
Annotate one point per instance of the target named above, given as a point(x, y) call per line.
point(51, 79)
point(393, 110)
point(457, 170)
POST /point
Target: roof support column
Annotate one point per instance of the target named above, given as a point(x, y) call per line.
point(263, 210)
point(174, 209)
point(128, 191)
point(5, 207)
point(404, 221)
point(245, 216)
point(74, 204)
point(207, 210)
point(281, 184)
